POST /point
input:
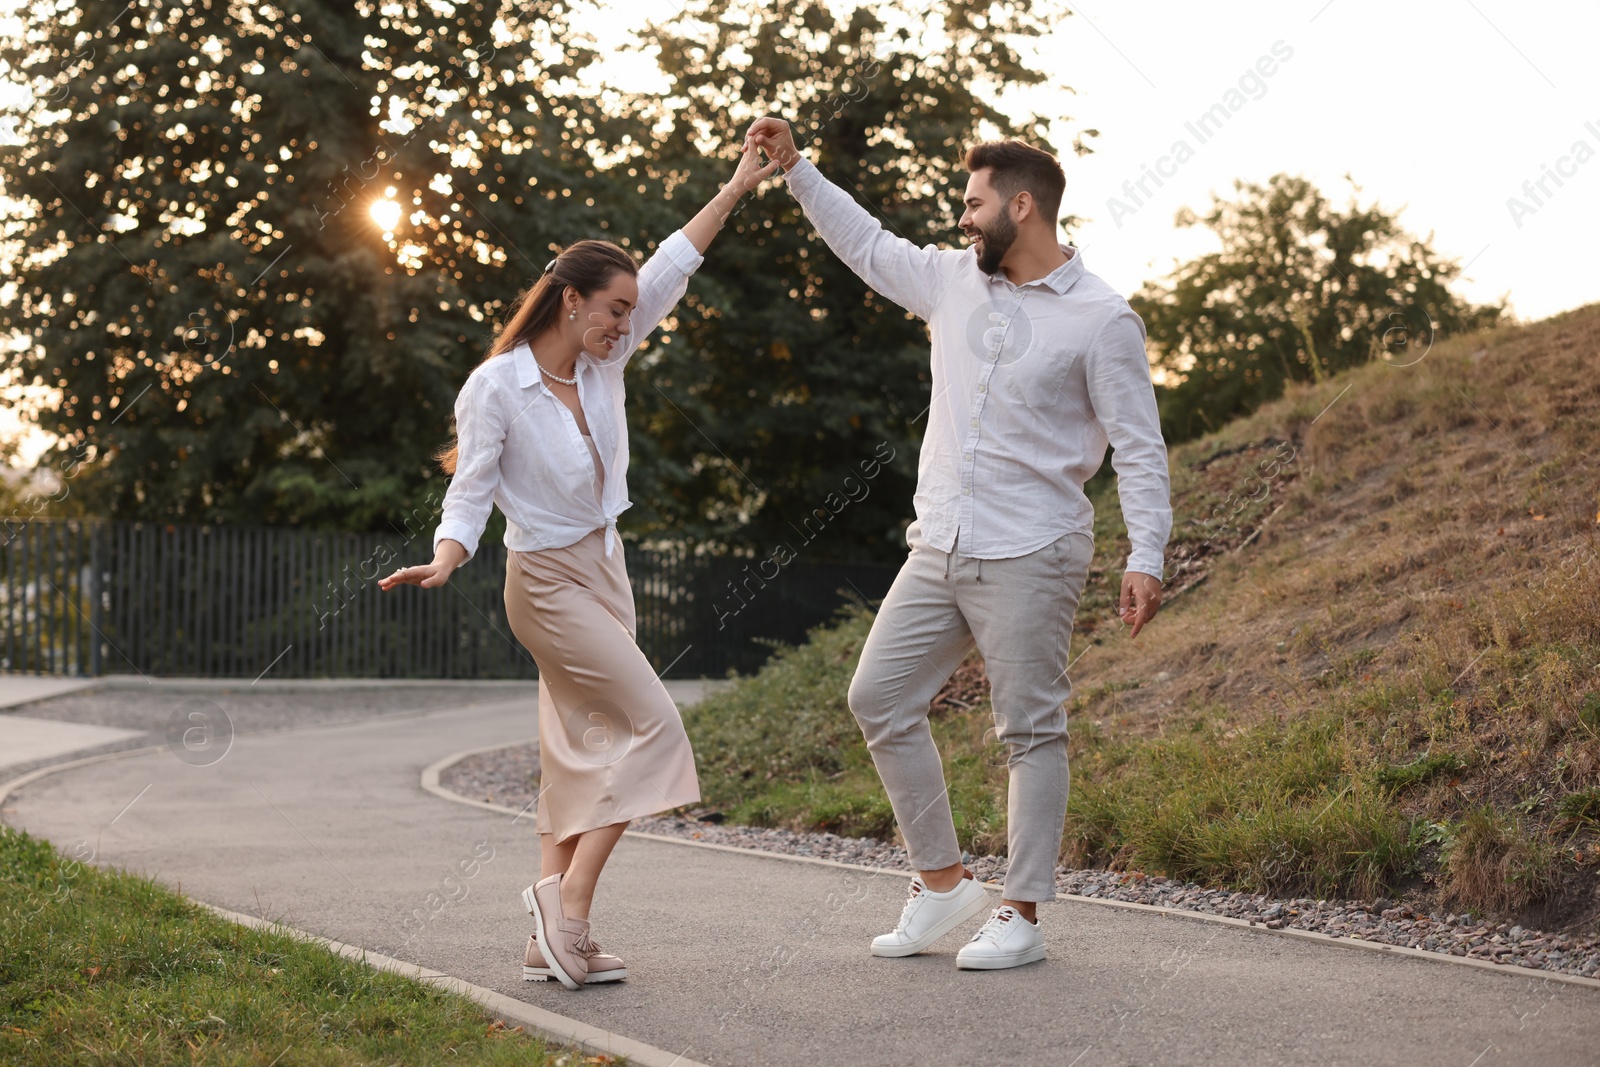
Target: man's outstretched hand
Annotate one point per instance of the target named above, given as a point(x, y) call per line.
point(773, 136)
point(1141, 599)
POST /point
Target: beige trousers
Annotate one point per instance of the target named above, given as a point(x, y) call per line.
point(1018, 612)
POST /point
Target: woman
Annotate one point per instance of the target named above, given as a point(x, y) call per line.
point(540, 431)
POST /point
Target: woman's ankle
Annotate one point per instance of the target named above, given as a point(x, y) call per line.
point(575, 904)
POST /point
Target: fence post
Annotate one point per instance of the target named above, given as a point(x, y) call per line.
point(97, 620)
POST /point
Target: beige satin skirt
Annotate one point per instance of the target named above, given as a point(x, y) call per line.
point(611, 743)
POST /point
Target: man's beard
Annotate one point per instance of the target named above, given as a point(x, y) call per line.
point(997, 240)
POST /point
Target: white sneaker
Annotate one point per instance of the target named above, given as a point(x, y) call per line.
point(1006, 940)
point(928, 916)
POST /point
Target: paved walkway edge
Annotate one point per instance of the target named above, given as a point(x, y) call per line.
point(143, 681)
point(430, 782)
point(507, 1009)
point(7, 788)
point(17, 688)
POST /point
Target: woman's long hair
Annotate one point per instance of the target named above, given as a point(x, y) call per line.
point(587, 266)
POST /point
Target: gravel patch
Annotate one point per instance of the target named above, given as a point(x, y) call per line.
point(506, 776)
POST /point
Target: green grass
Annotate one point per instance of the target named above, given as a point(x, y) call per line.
point(1580, 807)
point(1424, 768)
point(100, 967)
point(1273, 808)
point(775, 745)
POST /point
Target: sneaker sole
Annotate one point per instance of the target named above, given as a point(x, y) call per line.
point(1000, 963)
point(532, 902)
point(544, 974)
point(979, 905)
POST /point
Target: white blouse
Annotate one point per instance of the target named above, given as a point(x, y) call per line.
point(519, 446)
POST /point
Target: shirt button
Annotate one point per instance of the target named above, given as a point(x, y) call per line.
point(974, 424)
point(966, 492)
point(983, 388)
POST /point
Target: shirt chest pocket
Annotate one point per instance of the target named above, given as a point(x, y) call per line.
point(1027, 361)
point(1039, 374)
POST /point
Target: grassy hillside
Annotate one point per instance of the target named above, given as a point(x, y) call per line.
point(1378, 669)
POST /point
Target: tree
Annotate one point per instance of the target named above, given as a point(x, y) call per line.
point(786, 376)
point(1299, 290)
point(199, 269)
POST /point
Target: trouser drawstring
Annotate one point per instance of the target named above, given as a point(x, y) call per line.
point(948, 556)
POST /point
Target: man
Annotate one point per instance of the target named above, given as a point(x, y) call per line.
point(1037, 364)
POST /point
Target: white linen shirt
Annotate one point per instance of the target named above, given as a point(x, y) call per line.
point(1030, 383)
point(518, 445)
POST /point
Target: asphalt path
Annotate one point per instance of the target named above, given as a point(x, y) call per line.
point(739, 958)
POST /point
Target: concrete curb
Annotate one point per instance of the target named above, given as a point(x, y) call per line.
point(7, 788)
point(507, 1009)
point(19, 689)
point(430, 776)
point(438, 767)
point(135, 681)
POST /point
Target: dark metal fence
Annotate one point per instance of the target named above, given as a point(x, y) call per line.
point(242, 602)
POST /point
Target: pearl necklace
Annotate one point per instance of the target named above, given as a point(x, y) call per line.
point(556, 377)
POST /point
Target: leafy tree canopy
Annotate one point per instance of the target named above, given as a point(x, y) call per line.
point(1299, 289)
point(200, 269)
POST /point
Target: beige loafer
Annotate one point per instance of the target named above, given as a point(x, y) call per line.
point(565, 941)
point(603, 967)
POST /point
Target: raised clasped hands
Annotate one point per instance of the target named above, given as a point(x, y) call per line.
point(748, 175)
point(774, 137)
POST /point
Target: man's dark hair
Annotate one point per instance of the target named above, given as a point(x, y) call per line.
point(1018, 166)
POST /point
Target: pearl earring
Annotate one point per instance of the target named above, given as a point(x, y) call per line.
point(573, 315)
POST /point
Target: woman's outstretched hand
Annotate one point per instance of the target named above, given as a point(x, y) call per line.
point(427, 575)
point(750, 172)
point(449, 555)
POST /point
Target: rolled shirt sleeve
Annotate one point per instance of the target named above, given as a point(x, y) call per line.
point(480, 439)
point(662, 282)
point(1124, 402)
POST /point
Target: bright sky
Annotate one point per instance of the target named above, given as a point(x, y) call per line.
point(1441, 107)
